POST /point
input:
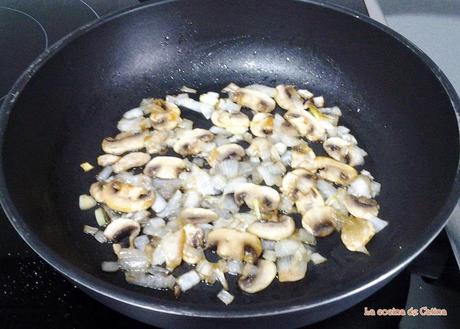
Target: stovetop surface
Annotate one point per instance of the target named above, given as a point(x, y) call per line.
point(33, 295)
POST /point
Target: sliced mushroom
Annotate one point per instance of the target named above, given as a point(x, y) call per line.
point(306, 201)
point(198, 215)
point(236, 123)
point(332, 170)
point(235, 244)
point(306, 124)
point(257, 197)
point(107, 159)
point(262, 124)
point(296, 183)
point(293, 267)
point(273, 230)
point(192, 252)
point(131, 160)
point(260, 148)
point(320, 221)
point(192, 142)
point(156, 142)
point(96, 192)
point(288, 98)
point(122, 228)
point(253, 99)
point(164, 115)
point(123, 144)
point(356, 233)
point(257, 278)
point(344, 151)
point(226, 152)
point(302, 154)
point(165, 167)
point(361, 207)
point(124, 197)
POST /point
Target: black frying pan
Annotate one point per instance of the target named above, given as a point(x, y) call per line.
point(396, 101)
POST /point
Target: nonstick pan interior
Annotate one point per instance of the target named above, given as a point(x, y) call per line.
point(391, 99)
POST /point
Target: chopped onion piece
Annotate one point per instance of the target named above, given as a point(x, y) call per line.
point(225, 296)
point(188, 280)
point(101, 217)
point(141, 241)
point(110, 266)
point(316, 258)
point(155, 281)
point(104, 174)
point(86, 202)
point(133, 260)
point(235, 267)
point(86, 166)
point(159, 204)
point(186, 89)
point(90, 229)
point(379, 224)
point(133, 113)
point(269, 255)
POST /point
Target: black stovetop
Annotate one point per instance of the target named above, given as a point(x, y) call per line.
point(33, 295)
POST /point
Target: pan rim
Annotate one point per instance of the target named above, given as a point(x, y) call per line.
point(108, 290)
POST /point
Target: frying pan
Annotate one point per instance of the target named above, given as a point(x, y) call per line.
point(398, 104)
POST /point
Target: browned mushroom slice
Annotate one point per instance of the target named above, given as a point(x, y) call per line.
point(165, 167)
point(320, 221)
point(237, 245)
point(256, 278)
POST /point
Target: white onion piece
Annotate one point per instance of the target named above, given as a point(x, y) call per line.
point(110, 266)
point(325, 188)
point(304, 236)
point(286, 247)
point(360, 186)
point(192, 199)
point(205, 109)
point(101, 217)
point(86, 202)
point(316, 258)
point(90, 229)
point(188, 280)
point(269, 255)
point(173, 206)
point(379, 224)
point(304, 93)
point(130, 125)
point(100, 237)
point(220, 276)
point(155, 281)
point(226, 104)
point(286, 205)
point(153, 226)
point(133, 260)
point(159, 204)
point(133, 113)
point(235, 267)
point(141, 241)
point(225, 297)
point(166, 187)
point(104, 174)
point(186, 89)
point(268, 244)
point(210, 98)
point(228, 168)
point(318, 101)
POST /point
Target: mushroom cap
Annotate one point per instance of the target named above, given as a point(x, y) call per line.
point(255, 196)
point(124, 197)
point(288, 98)
point(165, 167)
point(256, 279)
point(131, 160)
point(126, 143)
point(356, 233)
point(296, 182)
point(164, 115)
point(306, 124)
point(361, 207)
point(198, 215)
point(273, 230)
point(253, 99)
point(121, 228)
point(226, 152)
point(302, 155)
point(306, 201)
point(262, 124)
point(236, 123)
point(191, 142)
point(332, 170)
point(320, 221)
point(235, 244)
